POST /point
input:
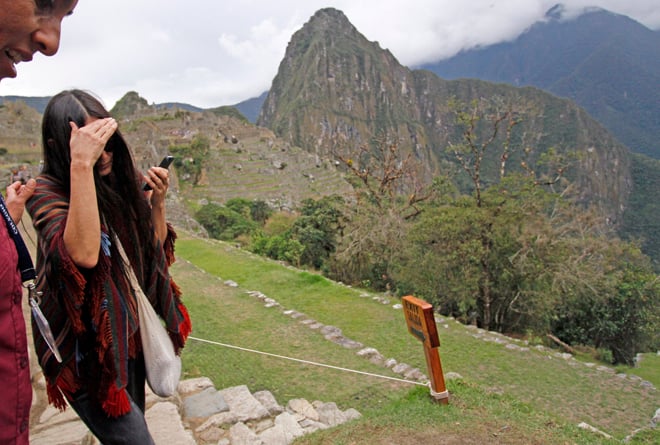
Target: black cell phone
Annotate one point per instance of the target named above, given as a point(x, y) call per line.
point(165, 163)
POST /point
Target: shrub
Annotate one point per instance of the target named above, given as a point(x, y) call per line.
point(224, 223)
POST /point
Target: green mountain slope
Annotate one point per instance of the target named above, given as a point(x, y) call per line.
point(335, 89)
point(607, 63)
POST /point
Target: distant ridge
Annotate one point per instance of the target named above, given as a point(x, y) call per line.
point(180, 105)
point(607, 63)
point(250, 108)
point(38, 103)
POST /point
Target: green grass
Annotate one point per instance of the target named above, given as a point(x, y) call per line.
point(649, 369)
point(505, 395)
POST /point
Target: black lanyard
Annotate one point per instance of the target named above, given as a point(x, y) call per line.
point(24, 260)
point(28, 274)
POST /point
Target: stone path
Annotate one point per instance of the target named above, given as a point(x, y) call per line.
point(199, 415)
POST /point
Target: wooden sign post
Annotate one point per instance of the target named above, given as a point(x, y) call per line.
point(421, 324)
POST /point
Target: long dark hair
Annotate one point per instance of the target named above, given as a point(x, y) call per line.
point(122, 203)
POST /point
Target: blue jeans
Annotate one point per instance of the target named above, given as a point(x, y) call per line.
point(129, 429)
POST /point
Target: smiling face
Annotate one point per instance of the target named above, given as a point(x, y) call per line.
point(27, 27)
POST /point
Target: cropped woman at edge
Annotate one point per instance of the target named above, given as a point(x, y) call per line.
point(88, 195)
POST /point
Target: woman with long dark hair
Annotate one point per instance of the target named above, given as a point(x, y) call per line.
point(89, 199)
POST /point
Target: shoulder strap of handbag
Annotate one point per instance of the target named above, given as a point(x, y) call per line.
point(24, 260)
point(135, 284)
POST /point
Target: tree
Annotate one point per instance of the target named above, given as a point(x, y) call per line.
point(446, 260)
point(389, 195)
point(480, 124)
point(317, 229)
point(255, 210)
point(190, 158)
point(308, 239)
point(278, 247)
point(554, 267)
point(224, 223)
point(240, 206)
point(386, 176)
point(610, 297)
point(260, 211)
point(487, 130)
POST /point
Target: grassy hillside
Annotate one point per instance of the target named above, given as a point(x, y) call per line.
point(509, 392)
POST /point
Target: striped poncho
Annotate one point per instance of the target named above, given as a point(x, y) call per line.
point(95, 309)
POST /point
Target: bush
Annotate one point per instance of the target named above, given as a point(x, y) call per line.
point(224, 223)
point(278, 247)
point(620, 318)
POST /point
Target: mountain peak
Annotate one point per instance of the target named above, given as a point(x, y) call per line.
point(327, 23)
point(330, 19)
point(560, 13)
point(129, 104)
point(330, 63)
point(556, 12)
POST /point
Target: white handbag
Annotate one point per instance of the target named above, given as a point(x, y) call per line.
point(162, 365)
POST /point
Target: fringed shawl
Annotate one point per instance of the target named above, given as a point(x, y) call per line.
point(96, 307)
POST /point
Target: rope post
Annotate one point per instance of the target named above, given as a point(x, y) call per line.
point(421, 324)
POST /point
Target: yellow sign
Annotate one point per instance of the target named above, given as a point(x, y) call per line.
point(421, 324)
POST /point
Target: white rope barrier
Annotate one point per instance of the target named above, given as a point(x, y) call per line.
point(307, 361)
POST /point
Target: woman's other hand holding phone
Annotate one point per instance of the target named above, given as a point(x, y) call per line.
point(156, 185)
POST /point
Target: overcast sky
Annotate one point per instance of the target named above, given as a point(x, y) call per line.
point(212, 52)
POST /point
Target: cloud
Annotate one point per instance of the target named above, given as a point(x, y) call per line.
point(209, 53)
point(428, 30)
point(257, 56)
